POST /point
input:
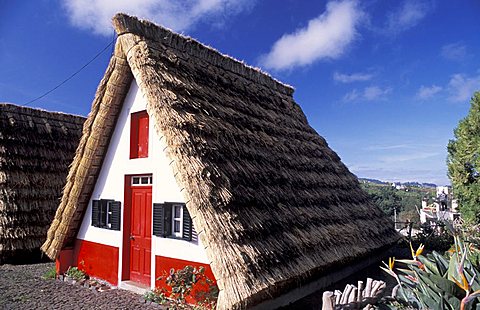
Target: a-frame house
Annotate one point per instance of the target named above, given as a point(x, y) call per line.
point(192, 157)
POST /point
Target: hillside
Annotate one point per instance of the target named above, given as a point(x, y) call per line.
point(405, 201)
point(409, 183)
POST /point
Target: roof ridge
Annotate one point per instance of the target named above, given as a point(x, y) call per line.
point(124, 23)
point(16, 108)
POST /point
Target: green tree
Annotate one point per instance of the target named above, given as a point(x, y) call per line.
point(464, 162)
point(386, 198)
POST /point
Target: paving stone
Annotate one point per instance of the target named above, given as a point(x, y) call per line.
point(23, 287)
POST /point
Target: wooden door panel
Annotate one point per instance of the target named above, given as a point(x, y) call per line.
point(147, 262)
point(135, 262)
point(140, 241)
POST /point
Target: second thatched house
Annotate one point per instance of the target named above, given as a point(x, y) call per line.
point(36, 148)
point(191, 157)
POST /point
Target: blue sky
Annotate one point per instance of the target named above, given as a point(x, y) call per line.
point(385, 82)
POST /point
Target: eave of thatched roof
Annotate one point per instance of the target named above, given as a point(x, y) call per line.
point(272, 202)
point(36, 148)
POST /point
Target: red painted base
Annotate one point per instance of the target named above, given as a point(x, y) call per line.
point(163, 265)
point(64, 261)
point(95, 259)
point(101, 261)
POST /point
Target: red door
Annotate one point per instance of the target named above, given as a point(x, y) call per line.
point(141, 234)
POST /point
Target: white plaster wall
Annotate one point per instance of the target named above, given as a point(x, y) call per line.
point(110, 185)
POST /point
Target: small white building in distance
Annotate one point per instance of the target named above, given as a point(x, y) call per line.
point(443, 207)
point(443, 189)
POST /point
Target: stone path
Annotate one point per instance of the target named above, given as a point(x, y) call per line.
point(23, 287)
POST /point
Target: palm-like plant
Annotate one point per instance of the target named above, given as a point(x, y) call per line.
point(435, 281)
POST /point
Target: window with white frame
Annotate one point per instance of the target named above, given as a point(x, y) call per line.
point(172, 220)
point(177, 220)
point(141, 180)
point(106, 214)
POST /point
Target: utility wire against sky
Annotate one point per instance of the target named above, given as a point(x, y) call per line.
point(74, 74)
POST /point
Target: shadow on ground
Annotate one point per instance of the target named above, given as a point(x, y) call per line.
point(314, 300)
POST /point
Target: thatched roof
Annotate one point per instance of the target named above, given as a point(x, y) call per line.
point(36, 148)
point(273, 204)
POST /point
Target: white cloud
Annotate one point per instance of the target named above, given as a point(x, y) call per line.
point(426, 92)
point(375, 92)
point(96, 15)
point(387, 147)
point(407, 16)
point(354, 77)
point(352, 95)
point(326, 36)
point(369, 93)
point(454, 51)
point(462, 87)
point(403, 161)
point(411, 156)
point(403, 174)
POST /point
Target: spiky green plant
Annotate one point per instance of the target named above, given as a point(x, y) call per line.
point(435, 281)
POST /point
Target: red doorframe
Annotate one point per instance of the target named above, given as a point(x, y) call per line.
point(126, 253)
point(127, 210)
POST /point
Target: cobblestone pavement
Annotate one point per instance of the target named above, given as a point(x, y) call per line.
point(23, 287)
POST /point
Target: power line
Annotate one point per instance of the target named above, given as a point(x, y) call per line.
point(71, 76)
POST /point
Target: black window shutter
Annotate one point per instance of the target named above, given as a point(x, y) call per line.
point(115, 207)
point(103, 213)
point(194, 234)
point(158, 219)
point(167, 219)
point(96, 213)
point(187, 225)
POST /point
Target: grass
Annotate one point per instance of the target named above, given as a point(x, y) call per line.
point(76, 274)
point(51, 273)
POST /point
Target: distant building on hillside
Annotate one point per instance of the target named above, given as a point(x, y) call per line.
point(443, 189)
point(398, 185)
point(443, 208)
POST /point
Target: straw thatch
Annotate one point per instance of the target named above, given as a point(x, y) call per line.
point(273, 204)
point(36, 148)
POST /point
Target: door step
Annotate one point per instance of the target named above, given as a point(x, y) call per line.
point(134, 287)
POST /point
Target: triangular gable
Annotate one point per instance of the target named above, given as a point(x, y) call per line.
point(272, 202)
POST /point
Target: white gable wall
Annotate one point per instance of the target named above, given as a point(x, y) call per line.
point(110, 185)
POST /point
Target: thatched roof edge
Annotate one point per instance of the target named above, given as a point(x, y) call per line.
point(90, 153)
point(128, 24)
point(40, 112)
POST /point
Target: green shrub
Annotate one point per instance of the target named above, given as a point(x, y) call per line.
point(156, 295)
point(471, 236)
point(50, 274)
point(187, 283)
point(76, 274)
point(436, 241)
